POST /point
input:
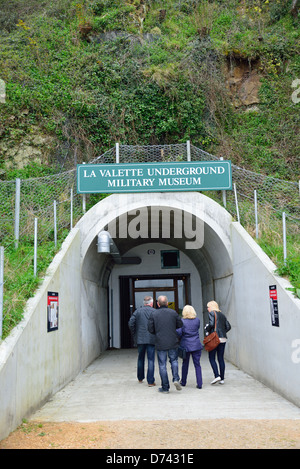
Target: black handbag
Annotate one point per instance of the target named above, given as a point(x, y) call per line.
point(181, 352)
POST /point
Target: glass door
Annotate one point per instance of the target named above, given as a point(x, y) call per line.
point(173, 287)
point(134, 289)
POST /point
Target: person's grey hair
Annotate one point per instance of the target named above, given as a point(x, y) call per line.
point(162, 300)
point(148, 300)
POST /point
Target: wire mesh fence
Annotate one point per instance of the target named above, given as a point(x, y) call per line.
point(37, 195)
point(54, 202)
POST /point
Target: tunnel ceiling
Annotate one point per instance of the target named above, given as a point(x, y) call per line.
point(212, 260)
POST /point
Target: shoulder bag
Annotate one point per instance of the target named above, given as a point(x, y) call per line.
point(211, 341)
point(181, 350)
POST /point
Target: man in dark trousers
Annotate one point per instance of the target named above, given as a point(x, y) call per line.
point(163, 323)
point(138, 325)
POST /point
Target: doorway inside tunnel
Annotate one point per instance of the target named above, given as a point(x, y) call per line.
point(133, 290)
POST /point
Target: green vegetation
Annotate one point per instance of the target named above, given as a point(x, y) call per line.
point(82, 75)
point(90, 73)
point(20, 281)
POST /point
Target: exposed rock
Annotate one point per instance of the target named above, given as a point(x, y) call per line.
point(22, 156)
point(243, 82)
point(34, 148)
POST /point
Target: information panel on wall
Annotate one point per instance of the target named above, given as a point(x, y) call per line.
point(154, 177)
point(52, 311)
point(274, 305)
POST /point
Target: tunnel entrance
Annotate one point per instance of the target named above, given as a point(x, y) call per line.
point(166, 259)
point(133, 290)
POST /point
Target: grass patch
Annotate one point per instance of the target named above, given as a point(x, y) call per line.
point(20, 283)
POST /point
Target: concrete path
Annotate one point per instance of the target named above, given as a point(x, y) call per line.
point(108, 390)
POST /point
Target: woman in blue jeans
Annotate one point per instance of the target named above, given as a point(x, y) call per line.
point(223, 326)
point(190, 340)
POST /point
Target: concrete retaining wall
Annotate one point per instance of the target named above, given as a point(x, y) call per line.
point(262, 350)
point(34, 363)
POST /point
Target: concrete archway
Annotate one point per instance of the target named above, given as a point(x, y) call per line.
point(208, 261)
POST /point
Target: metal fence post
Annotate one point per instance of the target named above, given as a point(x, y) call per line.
point(55, 223)
point(1, 288)
point(17, 212)
point(223, 192)
point(236, 203)
point(71, 209)
point(35, 247)
point(83, 199)
point(117, 153)
point(188, 150)
point(256, 215)
point(284, 236)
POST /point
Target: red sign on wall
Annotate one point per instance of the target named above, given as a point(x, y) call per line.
point(52, 311)
point(274, 305)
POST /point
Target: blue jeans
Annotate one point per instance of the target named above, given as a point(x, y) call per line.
point(212, 359)
point(142, 349)
point(162, 356)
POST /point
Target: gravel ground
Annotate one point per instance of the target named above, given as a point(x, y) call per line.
point(166, 434)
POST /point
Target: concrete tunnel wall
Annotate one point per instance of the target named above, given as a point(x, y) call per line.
point(233, 269)
point(34, 363)
point(269, 353)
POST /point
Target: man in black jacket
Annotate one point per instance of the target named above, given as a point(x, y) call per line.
point(163, 323)
point(138, 325)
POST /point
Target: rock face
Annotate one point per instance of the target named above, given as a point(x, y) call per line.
point(243, 82)
point(34, 148)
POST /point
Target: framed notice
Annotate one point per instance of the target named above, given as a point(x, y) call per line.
point(274, 305)
point(52, 311)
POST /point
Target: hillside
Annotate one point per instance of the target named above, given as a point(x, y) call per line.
point(78, 76)
point(82, 75)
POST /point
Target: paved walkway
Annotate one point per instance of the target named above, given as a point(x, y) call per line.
point(108, 390)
